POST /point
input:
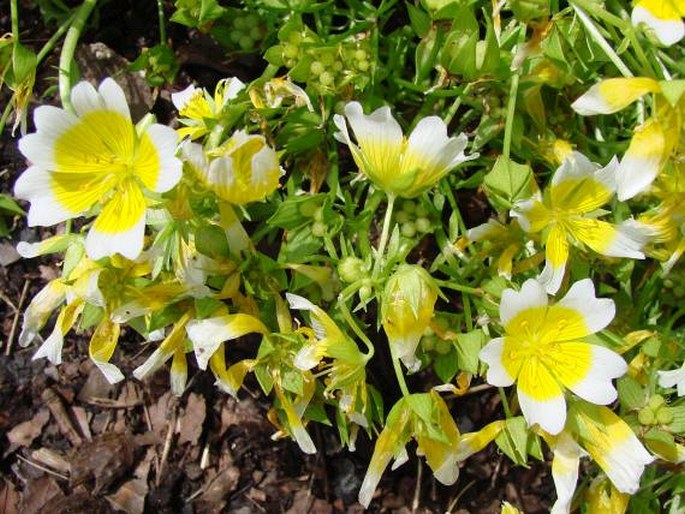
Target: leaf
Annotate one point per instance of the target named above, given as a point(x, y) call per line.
point(446, 366)
point(508, 182)
point(419, 19)
point(630, 393)
point(469, 346)
point(9, 205)
point(513, 440)
point(662, 444)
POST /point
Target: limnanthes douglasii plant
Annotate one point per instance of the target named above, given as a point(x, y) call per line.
point(260, 241)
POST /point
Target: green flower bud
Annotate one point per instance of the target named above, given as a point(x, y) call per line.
point(655, 402)
point(407, 308)
point(646, 416)
point(351, 269)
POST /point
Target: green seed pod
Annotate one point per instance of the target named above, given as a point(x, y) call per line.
point(351, 269)
point(646, 416)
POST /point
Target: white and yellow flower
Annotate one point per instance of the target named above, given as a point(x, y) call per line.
point(653, 141)
point(567, 213)
point(395, 164)
point(244, 169)
point(199, 111)
point(662, 18)
point(544, 353)
point(674, 378)
point(96, 160)
point(610, 442)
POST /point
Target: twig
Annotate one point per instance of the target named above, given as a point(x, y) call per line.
point(43, 468)
point(17, 313)
point(417, 489)
point(108, 403)
point(167, 442)
point(54, 403)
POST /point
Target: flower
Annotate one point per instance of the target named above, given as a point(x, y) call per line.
point(400, 166)
point(544, 353)
point(673, 378)
point(598, 432)
point(346, 373)
point(96, 158)
point(662, 18)
point(653, 141)
point(408, 302)
point(568, 211)
point(425, 418)
point(242, 170)
point(199, 111)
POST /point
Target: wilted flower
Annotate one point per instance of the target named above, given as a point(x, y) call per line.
point(544, 353)
point(199, 111)
point(567, 213)
point(97, 158)
point(425, 418)
point(674, 378)
point(598, 432)
point(653, 141)
point(347, 372)
point(663, 18)
point(244, 169)
point(397, 165)
point(408, 302)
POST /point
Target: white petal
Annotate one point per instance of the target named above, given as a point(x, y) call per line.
point(85, 99)
point(429, 139)
point(551, 277)
point(491, 354)
point(52, 121)
point(597, 312)
point(34, 185)
point(575, 166)
point(672, 378)
point(668, 32)
point(52, 347)
point(194, 155)
point(379, 125)
point(596, 387)
point(630, 237)
point(181, 99)
point(306, 358)
point(299, 303)
point(165, 141)
point(152, 364)
point(565, 472)
point(532, 294)
point(625, 462)
point(114, 97)
point(549, 414)
point(129, 243)
point(111, 372)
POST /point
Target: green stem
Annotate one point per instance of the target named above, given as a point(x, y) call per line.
point(511, 104)
point(400, 376)
point(14, 14)
point(464, 289)
point(599, 39)
point(5, 115)
point(68, 49)
point(50, 44)
point(384, 237)
point(162, 22)
point(505, 402)
point(355, 328)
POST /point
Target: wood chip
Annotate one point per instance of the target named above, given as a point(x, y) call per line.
point(25, 433)
point(54, 403)
point(192, 419)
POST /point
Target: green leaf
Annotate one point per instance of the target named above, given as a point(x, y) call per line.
point(630, 393)
point(468, 347)
point(24, 64)
point(446, 366)
point(508, 182)
point(210, 240)
point(9, 205)
point(672, 90)
point(419, 19)
point(293, 381)
point(205, 307)
point(662, 444)
point(678, 424)
point(513, 440)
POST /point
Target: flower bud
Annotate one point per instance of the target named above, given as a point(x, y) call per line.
point(408, 303)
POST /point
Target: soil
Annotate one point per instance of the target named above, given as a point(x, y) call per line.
point(70, 442)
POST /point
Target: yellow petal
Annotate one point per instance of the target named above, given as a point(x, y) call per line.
point(643, 160)
point(612, 95)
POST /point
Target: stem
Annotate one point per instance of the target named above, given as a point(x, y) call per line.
point(5, 115)
point(355, 328)
point(68, 49)
point(505, 402)
point(599, 39)
point(464, 289)
point(384, 237)
point(400, 376)
point(14, 14)
point(162, 22)
point(511, 105)
point(50, 44)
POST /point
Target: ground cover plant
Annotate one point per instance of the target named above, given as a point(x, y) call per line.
point(390, 212)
